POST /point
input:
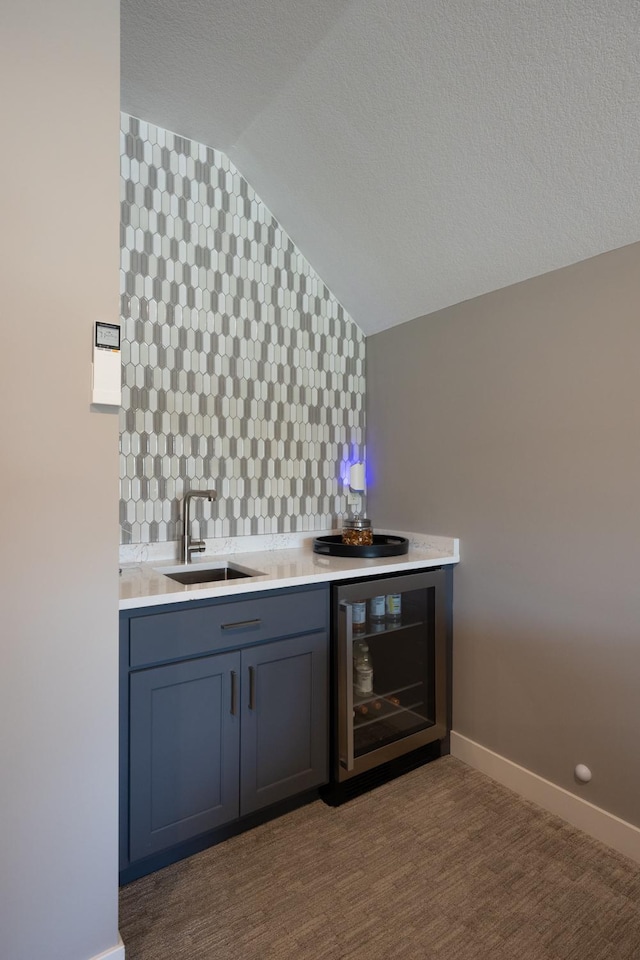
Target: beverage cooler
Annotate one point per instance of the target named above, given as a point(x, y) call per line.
point(390, 683)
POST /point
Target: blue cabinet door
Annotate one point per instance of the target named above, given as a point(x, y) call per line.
point(184, 748)
point(284, 744)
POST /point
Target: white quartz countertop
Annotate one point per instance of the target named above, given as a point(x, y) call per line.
point(142, 584)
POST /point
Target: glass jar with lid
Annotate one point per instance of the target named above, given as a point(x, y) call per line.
point(359, 616)
point(357, 532)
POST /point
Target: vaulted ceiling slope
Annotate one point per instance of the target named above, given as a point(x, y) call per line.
point(419, 152)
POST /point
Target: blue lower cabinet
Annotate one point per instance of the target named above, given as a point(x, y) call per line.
point(236, 722)
point(184, 742)
point(283, 749)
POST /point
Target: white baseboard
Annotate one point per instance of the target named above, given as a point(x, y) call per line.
point(113, 953)
point(616, 833)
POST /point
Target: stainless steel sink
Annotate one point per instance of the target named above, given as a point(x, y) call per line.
point(212, 573)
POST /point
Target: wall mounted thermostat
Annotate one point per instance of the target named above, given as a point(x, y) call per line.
point(107, 376)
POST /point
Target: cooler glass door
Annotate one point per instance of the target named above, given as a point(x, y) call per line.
point(391, 669)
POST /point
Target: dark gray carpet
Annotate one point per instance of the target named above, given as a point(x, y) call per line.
point(442, 864)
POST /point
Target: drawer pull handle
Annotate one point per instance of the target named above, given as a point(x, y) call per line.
point(240, 624)
point(252, 688)
point(234, 693)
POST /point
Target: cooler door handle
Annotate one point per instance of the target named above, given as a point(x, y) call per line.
point(345, 666)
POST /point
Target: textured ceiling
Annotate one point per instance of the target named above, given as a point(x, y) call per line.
point(419, 152)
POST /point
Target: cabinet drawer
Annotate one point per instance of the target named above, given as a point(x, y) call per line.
point(190, 632)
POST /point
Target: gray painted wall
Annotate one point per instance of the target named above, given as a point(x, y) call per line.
point(59, 520)
point(513, 422)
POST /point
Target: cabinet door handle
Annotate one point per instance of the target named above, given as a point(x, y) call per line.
point(252, 688)
point(241, 623)
point(234, 693)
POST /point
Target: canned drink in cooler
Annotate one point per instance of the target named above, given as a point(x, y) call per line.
point(394, 606)
point(377, 608)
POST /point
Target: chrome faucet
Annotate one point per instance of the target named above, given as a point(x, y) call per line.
point(190, 546)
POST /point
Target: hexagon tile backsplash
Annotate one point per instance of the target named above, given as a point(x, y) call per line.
point(241, 371)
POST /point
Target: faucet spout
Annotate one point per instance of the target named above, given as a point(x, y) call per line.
point(189, 545)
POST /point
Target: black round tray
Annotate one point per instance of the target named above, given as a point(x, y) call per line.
point(384, 545)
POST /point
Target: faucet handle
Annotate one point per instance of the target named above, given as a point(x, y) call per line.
point(197, 546)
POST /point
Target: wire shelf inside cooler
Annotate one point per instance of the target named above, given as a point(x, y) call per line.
point(384, 628)
point(382, 718)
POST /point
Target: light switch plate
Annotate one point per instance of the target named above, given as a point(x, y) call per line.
point(106, 374)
